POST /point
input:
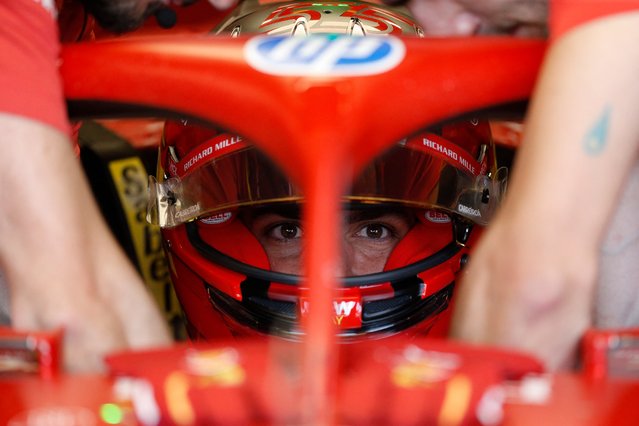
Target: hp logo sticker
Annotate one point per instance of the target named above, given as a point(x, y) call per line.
point(324, 55)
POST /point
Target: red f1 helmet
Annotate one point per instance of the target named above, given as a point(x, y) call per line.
point(211, 184)
point(212, 187)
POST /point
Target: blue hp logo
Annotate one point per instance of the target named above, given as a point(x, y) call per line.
point(324, 55)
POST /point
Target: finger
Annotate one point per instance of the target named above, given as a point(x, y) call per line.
point(222, 4)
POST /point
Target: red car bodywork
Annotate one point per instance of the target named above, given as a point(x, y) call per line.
point(291, 118)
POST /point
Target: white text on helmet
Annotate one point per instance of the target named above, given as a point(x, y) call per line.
point(227, 142)
point(343, 307)
point(193, 160)
point(437, 147)
point(207, 151)
point(348, 313)
point(450, 154)
point(468, 210)
point(188, 212)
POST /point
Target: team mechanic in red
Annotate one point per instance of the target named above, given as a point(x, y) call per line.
point(580, 146)
point(61, 265)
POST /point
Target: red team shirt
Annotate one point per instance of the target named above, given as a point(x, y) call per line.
point(30, 85)
point(566, 14)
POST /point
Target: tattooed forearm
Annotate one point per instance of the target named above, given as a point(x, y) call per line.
point(595, 140)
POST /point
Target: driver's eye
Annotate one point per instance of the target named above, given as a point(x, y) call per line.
point(374, 231)
point(287, 231)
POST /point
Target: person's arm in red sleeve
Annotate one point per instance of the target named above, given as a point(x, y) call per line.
point(62, 266)
point(531, 283)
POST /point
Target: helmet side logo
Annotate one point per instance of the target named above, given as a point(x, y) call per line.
point(348, 311)
point(468, 211)
point(217, 219)
point(324, 55)
point(435, 216)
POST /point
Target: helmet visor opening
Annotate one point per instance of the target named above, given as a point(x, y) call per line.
point(427, 172)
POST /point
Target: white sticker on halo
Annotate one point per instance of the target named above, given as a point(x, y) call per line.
point(324, 55)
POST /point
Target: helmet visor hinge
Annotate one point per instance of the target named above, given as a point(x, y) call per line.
point(461, 231)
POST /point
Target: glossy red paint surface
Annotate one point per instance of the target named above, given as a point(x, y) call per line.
point(320, 130)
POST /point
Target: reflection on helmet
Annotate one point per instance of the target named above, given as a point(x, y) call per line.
point(211, 185)
point(330, 17)
point(428, 171)
point(446, 180)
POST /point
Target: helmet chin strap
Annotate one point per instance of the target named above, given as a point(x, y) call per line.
point(269, 316)
point(461, 233)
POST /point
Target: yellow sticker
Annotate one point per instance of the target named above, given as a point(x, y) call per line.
point(130, 178)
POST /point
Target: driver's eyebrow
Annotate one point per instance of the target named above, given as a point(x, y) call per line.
point(358, 215)
point(287, 212)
